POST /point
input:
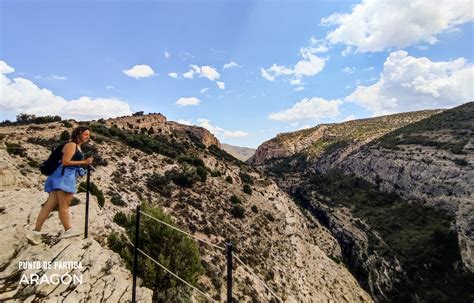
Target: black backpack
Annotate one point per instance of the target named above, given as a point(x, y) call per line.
point(52, 163)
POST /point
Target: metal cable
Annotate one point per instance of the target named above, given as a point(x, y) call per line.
point(249, 270)
point(182, 231)
point(177, 277)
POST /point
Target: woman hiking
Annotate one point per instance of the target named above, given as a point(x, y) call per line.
point(61, 185)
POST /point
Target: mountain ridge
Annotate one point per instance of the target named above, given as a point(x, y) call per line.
point(423, 157)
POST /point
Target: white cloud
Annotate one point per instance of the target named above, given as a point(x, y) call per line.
point(5, 68)
point(219, 131)
point(422, 47)
point(347, 51)
point(188, 101)
point(314, 108)
point(202, 91)
point(221, 85)
point(185, 122)
point(378, 25)
point(110, 87)
point(173, 75)
point(209, 73)
point(51, 77)
point(349, 70)
point(167, 55)
point(295, 82)
point(304, 126)
point(206, 123)
point(368, 68)
point(318, 45)
point(206, 71)
point(139, 71)
point(349, 118)
point(189, 74)
point(234, 134)
point(230, 64)
point(300, 88)
point(22, 95)
point(309, 66)
point(408, 83)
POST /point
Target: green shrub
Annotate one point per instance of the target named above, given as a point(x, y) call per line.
point(215, 173)
point(117, 200)
point(196, 140)
point(202, 173)
point(65, 136)
point(2, 136)
point(66, 123)
point(160, 183)
point(461, 162)
point(15, 149)
point(171, 248)
point(193, 160)
point(247, 189)
point(235, 200)
point(254, 208)
point(30, 118)
point(94, 190)
point(238, 211)
point(157, 144)
point(245, 178)
point(33, 163)
point(228, 179)
point(185, 178)
point(121, 219)
point(222, 154)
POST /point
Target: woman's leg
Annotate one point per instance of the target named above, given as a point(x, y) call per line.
point(64, 202)
point(46, 210)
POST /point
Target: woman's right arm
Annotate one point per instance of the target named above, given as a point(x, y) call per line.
point(68, 152)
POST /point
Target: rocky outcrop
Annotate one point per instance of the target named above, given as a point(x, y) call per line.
point(98, 274)
point(158, 124)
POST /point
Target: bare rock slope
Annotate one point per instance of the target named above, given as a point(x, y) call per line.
point(289, 250)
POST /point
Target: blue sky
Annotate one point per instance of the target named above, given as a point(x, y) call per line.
point(296, 64)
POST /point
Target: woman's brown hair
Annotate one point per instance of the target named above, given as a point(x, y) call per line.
point(77, 132)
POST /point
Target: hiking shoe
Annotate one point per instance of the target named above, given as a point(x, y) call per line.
point(71, 233)
point(34, 237)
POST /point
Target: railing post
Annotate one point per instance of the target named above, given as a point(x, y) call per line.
point(135, 253)
point(229, 271)
point(88, 182)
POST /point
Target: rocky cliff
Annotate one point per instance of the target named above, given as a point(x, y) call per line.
point(289, 250)
point(424, 157)
point(103, 275)
point(158, 124)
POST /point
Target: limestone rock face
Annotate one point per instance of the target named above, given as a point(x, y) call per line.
point(435, 179)
point(434, 167)
point(158, 124)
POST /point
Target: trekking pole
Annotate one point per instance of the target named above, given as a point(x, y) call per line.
point(135, 254)
point(229, 271)
point(88, 181)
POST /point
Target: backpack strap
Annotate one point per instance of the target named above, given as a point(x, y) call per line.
point(62, 170)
